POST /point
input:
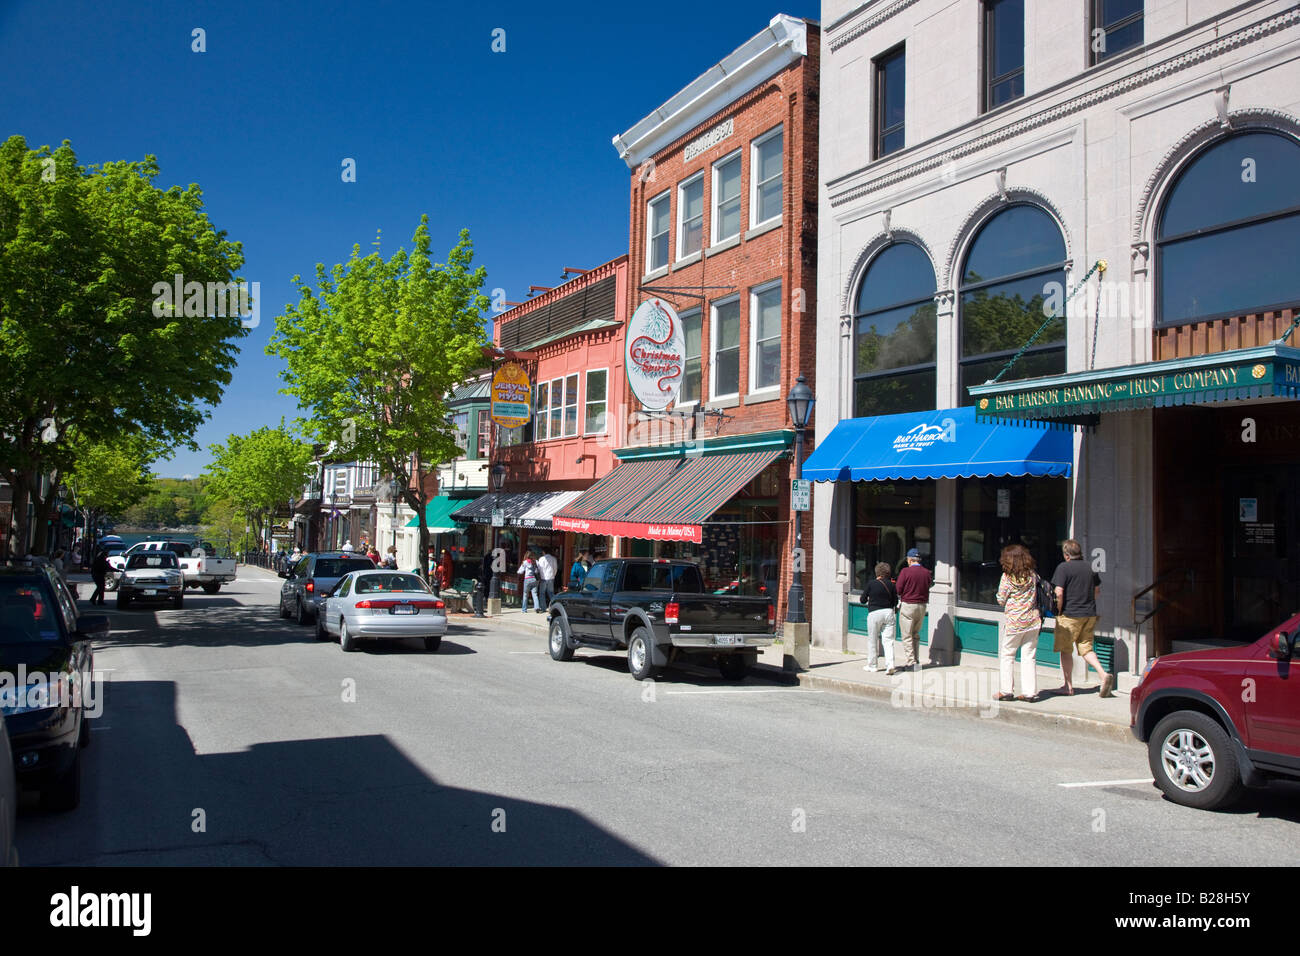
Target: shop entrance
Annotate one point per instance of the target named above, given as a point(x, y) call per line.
point(1262, 584)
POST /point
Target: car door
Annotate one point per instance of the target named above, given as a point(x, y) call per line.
point(336, 604)
point(1271, 698)
point(293, 585)
point(603, 610)
point(579, 606)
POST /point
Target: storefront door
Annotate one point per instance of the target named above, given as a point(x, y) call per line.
point(1262, 579)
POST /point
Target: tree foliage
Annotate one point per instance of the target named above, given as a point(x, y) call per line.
point(259, 471)
point(109, 477)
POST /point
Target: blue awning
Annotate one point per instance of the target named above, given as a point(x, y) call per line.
point(944, 443)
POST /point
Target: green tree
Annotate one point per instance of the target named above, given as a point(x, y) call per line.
point(223, 524)
point(83, 354)
point(260, 470)
point(374, 352)
point(109, 477)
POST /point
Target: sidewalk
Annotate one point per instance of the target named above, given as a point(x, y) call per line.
point(964, 690)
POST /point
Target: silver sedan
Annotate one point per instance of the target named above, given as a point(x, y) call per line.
point(381, 605)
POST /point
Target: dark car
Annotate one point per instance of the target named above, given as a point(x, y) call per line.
point(46, 667)
point(1218, 720)
point(305, 584)
point(8, 800)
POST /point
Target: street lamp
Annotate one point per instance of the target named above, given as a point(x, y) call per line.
point(394, 489)
point(800, 401)
point(498, 482)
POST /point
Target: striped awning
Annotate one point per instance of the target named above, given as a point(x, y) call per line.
point(630, 482)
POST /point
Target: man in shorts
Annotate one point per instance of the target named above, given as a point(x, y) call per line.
point(1076, 587)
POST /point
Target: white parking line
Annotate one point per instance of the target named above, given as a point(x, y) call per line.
point(750, 690)
point(527, 652)
point(1107, 783)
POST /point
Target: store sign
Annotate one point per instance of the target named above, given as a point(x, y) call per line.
point(631, 529)
point(511, 396)
point(710, 139)
point(923, 436)
point(655, 355)
point(800, 494)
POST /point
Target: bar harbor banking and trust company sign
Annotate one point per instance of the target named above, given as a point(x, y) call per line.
point(656, 354)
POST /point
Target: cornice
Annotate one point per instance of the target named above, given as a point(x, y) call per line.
point(867, 23)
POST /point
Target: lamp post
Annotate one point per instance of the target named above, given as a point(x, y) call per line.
point(394, 489)
point(800, 401)
point(494, 591)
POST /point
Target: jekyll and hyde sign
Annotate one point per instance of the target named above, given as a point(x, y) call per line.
point(655, 354)
point(511, 396)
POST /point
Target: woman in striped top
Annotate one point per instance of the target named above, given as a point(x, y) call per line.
point(1018, 593)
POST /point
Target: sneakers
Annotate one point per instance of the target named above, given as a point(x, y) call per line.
point(1107, 686)
point(871, 669)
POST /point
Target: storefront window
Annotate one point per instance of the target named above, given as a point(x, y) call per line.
point(995, 512)
point(890, 518)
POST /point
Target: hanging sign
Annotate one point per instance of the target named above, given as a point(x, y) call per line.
point(511, 396)
point(655, 354)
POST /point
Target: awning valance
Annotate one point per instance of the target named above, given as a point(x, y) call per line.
point(523, 509)
point(944, 443)
point(1270, 371)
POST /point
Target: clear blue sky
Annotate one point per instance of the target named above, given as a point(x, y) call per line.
point(514, 146)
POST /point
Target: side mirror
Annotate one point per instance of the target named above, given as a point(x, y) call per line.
point(92, 626)
point(286, 574)
point(1280, 646)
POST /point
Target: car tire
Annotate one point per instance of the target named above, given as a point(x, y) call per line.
point(433, 643)
point(123, 601)
point(110, 584)
point(639, 655)
point(345, 639)
point(1193, 762)
point(64, 793)
point(212, 588)
point(558, 640)
point(300, 614)
point(733, 666)
point(280, 607)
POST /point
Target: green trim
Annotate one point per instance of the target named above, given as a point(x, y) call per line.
point(727, 445)
point(858, 621)
point(437, 514)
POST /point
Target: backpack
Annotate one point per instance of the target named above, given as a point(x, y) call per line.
point(1045, 599)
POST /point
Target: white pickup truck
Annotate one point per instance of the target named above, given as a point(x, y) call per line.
point(200, 568)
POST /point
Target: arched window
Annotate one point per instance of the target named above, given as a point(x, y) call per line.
point(1013, 276)
point(894, 334)
point(1228, 239)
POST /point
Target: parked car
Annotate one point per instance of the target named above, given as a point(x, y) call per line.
point(311, 576)
point(1218, 720)
point(381, 605)
point(43, 636)
point(151, 576)
point(658, 610)
point(8, 800)
point(198, 561)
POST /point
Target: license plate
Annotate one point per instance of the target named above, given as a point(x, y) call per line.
point(150, 592)
point(403, 609)
point(729, 639)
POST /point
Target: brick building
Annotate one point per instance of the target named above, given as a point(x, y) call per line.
point(722, 245)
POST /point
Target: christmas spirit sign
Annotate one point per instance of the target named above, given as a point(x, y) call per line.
point(656, 354)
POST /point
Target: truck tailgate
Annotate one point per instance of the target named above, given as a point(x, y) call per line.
point(721, 614)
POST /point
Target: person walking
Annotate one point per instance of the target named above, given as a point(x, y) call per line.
point(1018, 593)
point(447, 569)
point(1076, 586)
point(881, 598)
point(913, 586)
point(528, 570)
point(99, 569)
point(578, 573)
point(548, 567)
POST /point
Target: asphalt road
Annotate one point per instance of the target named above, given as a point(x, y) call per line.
point(229, 736)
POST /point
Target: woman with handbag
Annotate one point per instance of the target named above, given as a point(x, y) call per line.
point(1018, 593)
point(881, 600)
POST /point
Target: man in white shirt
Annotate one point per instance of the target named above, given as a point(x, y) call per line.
point(547, 566)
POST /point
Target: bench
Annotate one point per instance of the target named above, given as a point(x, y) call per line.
point(460, 593)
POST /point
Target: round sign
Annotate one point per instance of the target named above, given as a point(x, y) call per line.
point(511, 396)
point(655, 354)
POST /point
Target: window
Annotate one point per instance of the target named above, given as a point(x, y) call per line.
point(765, 171)
point(1004, 52)
point(1116, 27)
point(726, 198)
point(995, 512)
point(726, 349)
point(890, 89)
point(1228, 237)
point(340, 482)
point(571, 405)
point(889, 518)
point(894, 334)
point(594, 418)
point(595, 577)
point(484, 434)
point(460, 422)
point(556, 414)
point(1013, 274)
point(658, 228)
point(541, 411)
point(765, 336)
point(690, 215)
point(557, 408)
point(692, 323)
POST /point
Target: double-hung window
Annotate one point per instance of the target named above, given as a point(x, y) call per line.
point(726, 198)
point(484, 433)
point(690, 216)
point(1004, 52)
point(1116, 27)
point(765, 174)
point(657, 232)
point(765, 337)
point(597, 402)
point(725, 366)
point(557, 408)
point(691, 378)
point(890, 89)
point(541, 411)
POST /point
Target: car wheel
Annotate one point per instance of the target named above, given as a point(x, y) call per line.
point(733, 666)
point(65, 792)
point(1193, 762)
point(559, 640)
point(280, 607)
point(212, 588)
point(638, 655)
point(123, 601)
point(433, 643)
point(110, 584)
point(300, 615)
point(345, 639)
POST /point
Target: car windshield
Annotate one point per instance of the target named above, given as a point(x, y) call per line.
point(151, 559)
point(374, 583)
point(337, 567)
point(25, 615)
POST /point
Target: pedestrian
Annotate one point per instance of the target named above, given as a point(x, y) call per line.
point(99, 569)
point(914, 598)
point(529, 572)
point(578, 573)
point(1018, 593)
point(548, 567)
point(75, 557)
point(390, 560)
point(881, 598)
point(1076, 586)
point(447, 567)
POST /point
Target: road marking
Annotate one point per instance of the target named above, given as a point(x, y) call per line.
point(1108, 783)
point(750, 690)
point(526, 652)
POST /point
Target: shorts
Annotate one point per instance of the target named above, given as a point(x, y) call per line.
point(1074, 632)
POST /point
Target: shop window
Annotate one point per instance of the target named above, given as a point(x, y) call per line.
point(691, 377)
point(657, 228)
point(894, 334)
point(995, 512)
point(890, 94)
point(725, 365)
point(594, 418)
point(1014, 276)
point(889, 518)
point(765, 336)
point(690, 214)
point(1229, 234)
point(765, 171)
point(1004, 52)
point(726, 198)
point(1116, 27)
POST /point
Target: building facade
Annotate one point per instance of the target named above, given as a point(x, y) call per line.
point(1045, 233)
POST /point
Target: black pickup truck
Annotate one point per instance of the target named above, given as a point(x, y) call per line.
point(658, 611)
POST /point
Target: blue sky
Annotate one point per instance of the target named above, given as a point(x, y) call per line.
point(514, 146)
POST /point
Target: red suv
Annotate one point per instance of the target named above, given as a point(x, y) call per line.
point(1219, 720)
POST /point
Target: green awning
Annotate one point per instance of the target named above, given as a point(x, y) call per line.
point(1269, 371)
point(437, 515)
